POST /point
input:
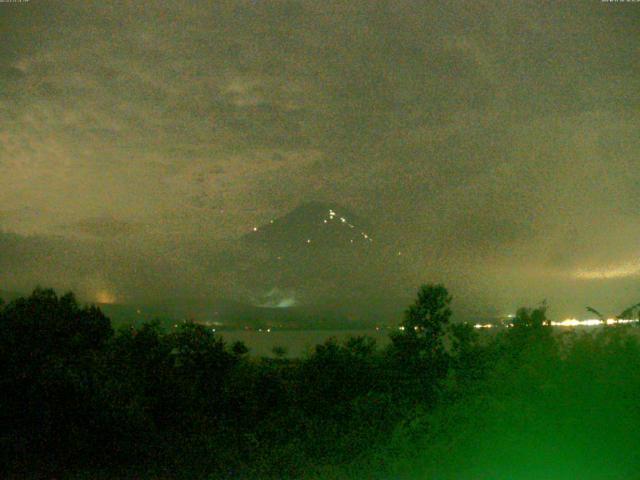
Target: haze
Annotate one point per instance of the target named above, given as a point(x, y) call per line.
point(493, 144)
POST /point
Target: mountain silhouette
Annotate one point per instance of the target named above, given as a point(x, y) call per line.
point(318, 260)
point(312, 225)
point(317, 253)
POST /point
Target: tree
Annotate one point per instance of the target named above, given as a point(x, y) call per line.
point(527, 317)
point(202, 364)
point(49, 349)
point(239, 348)
point(279, 351)
point(630, 312)
point(429, 314)
point(361, 346)
point(469, 358)
point(626, 314)
point(418, 352)
point(44, 324)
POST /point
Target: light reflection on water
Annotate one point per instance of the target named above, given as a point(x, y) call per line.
point(301, 342)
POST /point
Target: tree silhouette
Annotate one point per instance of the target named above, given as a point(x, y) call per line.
point(239, 348)
point(597, 313)
point(429, 314)
point(627, 313)
point(418, 352)
point(279, 351)
point(48, 368)
point(527, 317)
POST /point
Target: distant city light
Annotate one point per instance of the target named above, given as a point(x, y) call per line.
point(591, 322)
point(569, 322)
point(106, 297)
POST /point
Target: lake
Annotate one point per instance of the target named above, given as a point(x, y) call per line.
point(297, 342)
point(300, 342)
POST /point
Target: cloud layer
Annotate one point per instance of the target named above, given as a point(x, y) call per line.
point(494, 143)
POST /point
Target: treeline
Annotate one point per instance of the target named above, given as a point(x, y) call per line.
point(80, 400)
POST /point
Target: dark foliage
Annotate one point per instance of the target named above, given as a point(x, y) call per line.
point(81, 401)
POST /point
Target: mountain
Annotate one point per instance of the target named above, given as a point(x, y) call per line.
point(319, 264)
point(313, 248)
point(319, 257)
point(223, 314)
point(312, 225)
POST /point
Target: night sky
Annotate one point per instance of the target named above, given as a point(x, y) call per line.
point(493, 146)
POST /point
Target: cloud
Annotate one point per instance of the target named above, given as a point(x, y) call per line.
point(478, 136)
point(275, 298)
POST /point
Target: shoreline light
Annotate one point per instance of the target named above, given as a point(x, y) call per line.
point(571, 322)
point(592, 322)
